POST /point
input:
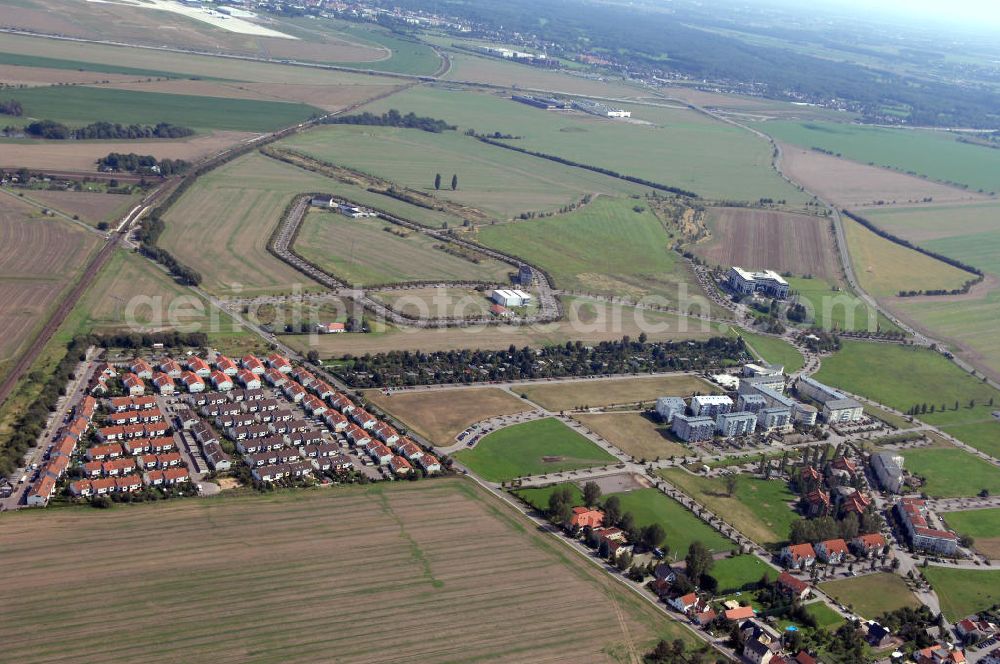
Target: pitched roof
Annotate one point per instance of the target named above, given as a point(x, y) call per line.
point(792, 583)
point(739, 613)
point(797, 551)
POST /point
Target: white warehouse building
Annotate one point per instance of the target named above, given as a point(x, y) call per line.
point(511, 298)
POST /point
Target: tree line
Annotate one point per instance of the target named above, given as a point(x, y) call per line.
point(11, 107)
point(148, 235)
point(393, 118)
point(597, 169)
point(622, 356)
point(50, 129)
point(135, 163)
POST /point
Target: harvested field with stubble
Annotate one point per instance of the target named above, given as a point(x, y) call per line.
point(83, 155)
point(362, 574)
point(221, 225)
point(39, 258)
point(440, 415)
point(764, 239)
point(92, 207)
point(852, 184)
point(608, 392)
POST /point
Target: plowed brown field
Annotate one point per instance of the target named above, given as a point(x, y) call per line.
point(762, 239)
point(429, 572)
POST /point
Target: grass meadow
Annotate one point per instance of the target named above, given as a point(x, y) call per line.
point(79, 105)
point(221, 225)
point(885, 268)
point(532, 448)
point(951, 472)
point(833, 308)
point(903, 377)
point(773, 350)
point(963, 591)
point(648, 506)
point(500, 182)
point(933, 154)
point(330, 568)
point(361, 252)
point(607, 247)
point(872, 595)
point(635, 434)
point(591, 394)
point(982, 525)
point(760, 509)
point(672, 146)
point(440, 415)
point(739, 572)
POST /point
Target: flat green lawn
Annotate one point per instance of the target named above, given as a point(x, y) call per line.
point(951, 472)
point(774, 350)
point(832, 308)
point(760, 509)
point(500, 182)
point(734, 574)
point(650, 506)
point(606, 247)
point(675, 147)
point(934, 154)
point(532, 448)
point(903, 377)
point(682, 527)
point(78, 105)
point(964, 591)
point(826, 618)
point(871, 595)
point(976, 523)
point(539, 497)
point(361, 252)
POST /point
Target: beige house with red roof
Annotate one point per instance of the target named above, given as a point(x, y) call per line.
point(832, 551)
point(798, 556)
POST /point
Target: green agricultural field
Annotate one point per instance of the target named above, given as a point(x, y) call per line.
point(968, 325)
point(682, 527)
point(221, 225)
point(964, 591)
point(79, 105)
point(871, 595)
point(904, 377)
point(606, 247)
point(885, 268)
point(833, 308)
point(499, 182)
point(532, 448)
point(951, 472)
point(760, 509)
point(740, 572)
point(21, 60)
point(968, 233)
point(933, 154)
point(677, 147)
point(361, 252)
point(901, 376)
point(982, 525)
point(407, 55)
point(773, 350)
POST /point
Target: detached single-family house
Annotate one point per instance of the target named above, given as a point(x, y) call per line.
point(684, 603)
point(400, 466)
point(133, 385)
point(221, 381)
point(248, 379)
point(171, 368)
point(866, 545)
point(226, 365)
point(193, 382)
point(798, 556)
point(331, 328)
point(832, 551)
point(163, 383)
point(429, 463)
point(141, 368)
point(792, 587)
point(279, 363)
point(199, 366)
point(586, 516)
point(253, 364)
